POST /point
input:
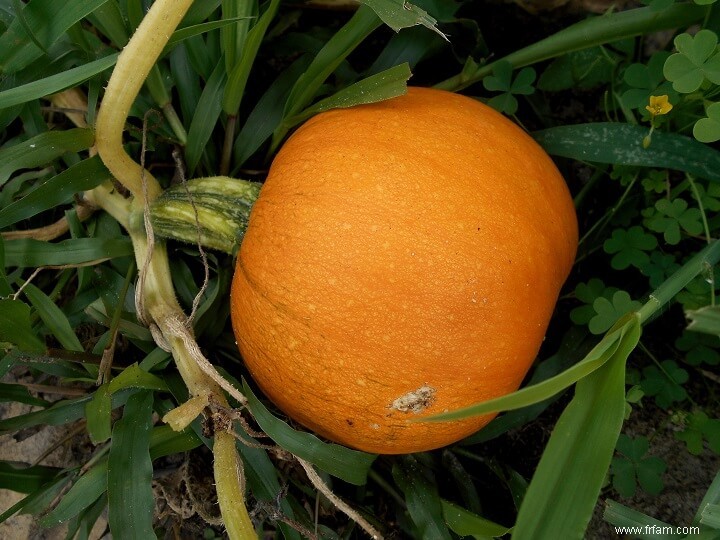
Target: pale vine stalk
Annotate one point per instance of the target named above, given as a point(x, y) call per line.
point(160, 306)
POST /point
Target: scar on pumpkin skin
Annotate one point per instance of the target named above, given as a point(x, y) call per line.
point(415, 401)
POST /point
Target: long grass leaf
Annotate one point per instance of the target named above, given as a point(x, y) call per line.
point(562, 494)
point(238, 77)
point(399, 14)
point(205, 117)
point(62, 412)
point(57, 190)
point(42, 149)
point(53, 317)
point(25, 479)
point(81, 495)
point(546, 389)
point(621, 516)
point(27, 253)
point(466, 523)
point(40, 24)
point(345, 40)
point(421, 497)
point(55, 83)
point(16, 328)
point(621, 144)
point(21, 394)
point(349, 465)
point(36, 501)
point(129, 470)
point(385, 85)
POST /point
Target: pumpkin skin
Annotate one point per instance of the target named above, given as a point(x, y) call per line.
point(403, 259)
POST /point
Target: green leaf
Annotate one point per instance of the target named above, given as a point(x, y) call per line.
point(673, 216)
point(693, 63)
point(564, 489)
point(56, 191)
point(55, 83)
point(47, 20)
point(21, 394)
point(707, 129)
point(698, 427)
point(205, 117)
point(629, 247)
point(53, 317)
point(664, 383)
point(501, 79)
point(609, 311)
point(237, 78)
point(621, 144)
point(349, 465)
point(588, 293)
point(705, 320)
point(25, 479)
point(398, 14)
point(16, 328)
point(34, 253)
point(635, 467)
point(388, 84)
point(42, 149)
point(466, 523)
point(596, 358)
point(421, 497)
point(343, 42)
point(88, 488)
point(622, 516)
point(700, 348)
point(129, 470)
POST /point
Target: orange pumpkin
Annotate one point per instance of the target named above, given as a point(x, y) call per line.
point(403, 259)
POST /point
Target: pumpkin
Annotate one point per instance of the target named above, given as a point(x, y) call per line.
point(403, 259)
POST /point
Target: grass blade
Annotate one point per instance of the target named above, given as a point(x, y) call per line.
point(345, 40)
point(385, 85)
point(21, 394)
point(77, 251)
point(42, 149)
point(621, 144)
point(55, 83)
point(25, 479)
point(349, 465)
point(56, 191)
point(466, 523)
point(205, 117)
point(53, 317)
point(398, 14)
point(129, 470)
point(237, 79)
point(621, 516)
point(564, 489)
point(46, 21)
point(16, 328)
point(422, 499)
point(89, 487)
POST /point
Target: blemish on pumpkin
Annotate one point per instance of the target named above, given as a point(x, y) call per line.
point(415, 401)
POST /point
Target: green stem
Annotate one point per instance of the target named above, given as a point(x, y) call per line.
point(230, 492)
point(132, 68)
point(707, 258)
point(588, 33)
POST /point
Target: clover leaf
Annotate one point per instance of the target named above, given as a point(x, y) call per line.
point(655, 181)
point(709, 197)
point(660, 267)
point(664, 383)
point(695, 61)
point(672, 216)
point(699, 348)
point(629, 247)
point(502, 81)
point(632, 467)
point(698, 427)
point(607, 312)
point(646, 80)
point(695, 295)
point(588, 293)
point(707, 129)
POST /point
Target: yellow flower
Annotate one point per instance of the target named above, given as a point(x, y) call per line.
point(659, 105)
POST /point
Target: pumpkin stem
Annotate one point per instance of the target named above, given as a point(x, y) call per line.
point(210, 211)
